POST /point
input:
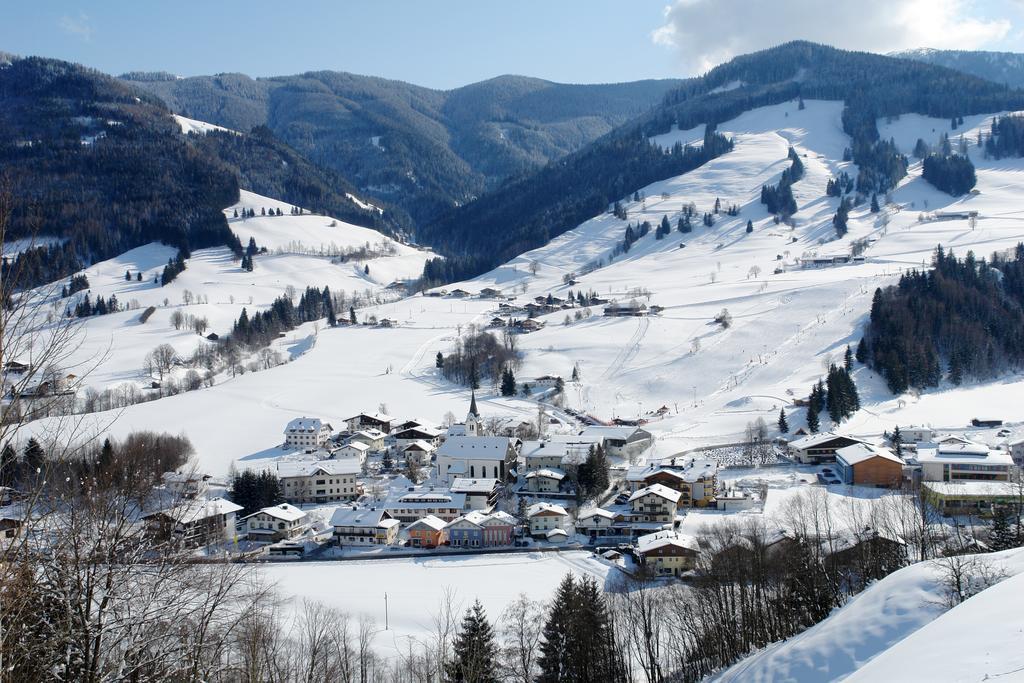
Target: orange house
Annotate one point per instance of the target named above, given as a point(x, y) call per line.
point(427, 532)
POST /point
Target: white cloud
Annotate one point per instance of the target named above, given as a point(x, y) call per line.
point(708, 32)
point(79, 26)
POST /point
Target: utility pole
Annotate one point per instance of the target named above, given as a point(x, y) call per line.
point(385, 611)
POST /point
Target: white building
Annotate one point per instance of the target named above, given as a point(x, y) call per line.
point(916, 434)
point(621, 441)
point(195, 521)
point(361, 526)
point(319, 481)
point(373, 438)
point(419, 452)
point(481, 494)
point(547, 480)
point(417, 504)
point(307, 433)
point(540, 454)
point(353, 449)
point(476, 457)
point(276, 523)
point(961, 461)
point(595, 523)
point(544, 517)
point(1016, 449)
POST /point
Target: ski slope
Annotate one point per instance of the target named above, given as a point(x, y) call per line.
point(787, 326)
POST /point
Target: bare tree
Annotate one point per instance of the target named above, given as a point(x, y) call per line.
point(160, 360)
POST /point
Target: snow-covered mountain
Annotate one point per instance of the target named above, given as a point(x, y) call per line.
point(788, 322)
point(1001, 67)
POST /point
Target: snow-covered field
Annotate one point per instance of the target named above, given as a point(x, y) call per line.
point(415, 587)
point(786, 326)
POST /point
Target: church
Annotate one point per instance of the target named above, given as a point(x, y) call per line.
point(467, 453)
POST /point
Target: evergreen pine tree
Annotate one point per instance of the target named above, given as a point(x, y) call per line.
point(474, 377)
point(128, 276)
point(897, 441)
point(783, 423)
point(848, 359)
point(439, 361)
point(556, 645)
point(8, 465)
point(812, 420)
point(475, 654)
point(508, 383)
point(1002, 536)
point(874, 203)
point(386, 461)
point(862, 351)
point(352, 314)
point(750, 226)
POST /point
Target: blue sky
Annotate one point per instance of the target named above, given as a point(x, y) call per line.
point(449, 43)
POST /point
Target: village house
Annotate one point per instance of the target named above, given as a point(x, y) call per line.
point(595, 523)
point(541, 454)
point(529, 324)
point(864, 465)
point(195, 522)
point(427, 532)
point(276, 523)
point(489, 293)
point(623, 441)
point(418, 452)
point(353, 449)
point(655, 503)
point(694, 478)
point(416, 504)
point(819, 448)
point(377, 421)
point(544, 517)
point(478, 530)
point(481, 494)
point(547, 480)
point(668, 553)
point(184, 484)
point(319, 481)
point(10, 530)
point(362, 526)
point(546, 382)
point(1016, 449)
point(499, 528)
point(957, 461)
point(411, 435)
point(373, 438)
point(916, 434)
point(306, 433)
point(631, 308)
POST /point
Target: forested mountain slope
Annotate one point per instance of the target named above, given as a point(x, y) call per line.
point(527, 213)
point(96, 167)
point(1001, 67)
point(423, 149)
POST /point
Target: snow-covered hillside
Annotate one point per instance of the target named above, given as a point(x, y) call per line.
point(899, 630)
point(786, 326)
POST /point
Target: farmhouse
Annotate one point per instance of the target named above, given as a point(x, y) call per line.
point(353, 449)
point(195, 522)
point(378, 421)
point(547, 480)
point(416, 433)
point(319, 481)
point(631, 308)
point(373, 438)
point(818, 448)
point(540, 454)
point(359, 526)
point(864, 465)
point(695, 479)
point(306, 433)
point(276, 523)
point(418, 452)
point(668, 553)
point(621, 441)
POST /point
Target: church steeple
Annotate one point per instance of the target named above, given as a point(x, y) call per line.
point(473, 418)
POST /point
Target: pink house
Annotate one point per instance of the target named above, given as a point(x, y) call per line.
point(498, 528)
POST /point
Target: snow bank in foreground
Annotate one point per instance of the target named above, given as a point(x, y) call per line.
point(872, 623)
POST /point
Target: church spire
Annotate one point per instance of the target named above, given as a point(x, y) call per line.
point(472, 405)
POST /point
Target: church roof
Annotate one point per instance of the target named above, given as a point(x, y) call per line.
point(472, 406)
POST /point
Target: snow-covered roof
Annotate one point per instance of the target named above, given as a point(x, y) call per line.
point(309, 425)
point(693, 470)
point(307, 468)
point(419, 445)
point(556, 532)
point(971, 489)
point(372, 434)
point(659, 490)
point(284, 512)
point(547, 473)
point(961, 453)
point(623, 432)
point(596, 512)
point(500, 517)
point(545, 508)
point(475, 517)
point(413, 432)
point(195, 510)
point(660, 539)
point(430, 521)
point(379, 417)
point(859, 452)
point(464, 485)
point(357, 445)
point(812, 440)
point(544, 449)
point(416, 499)
point(475, 447)
point(365, 517)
